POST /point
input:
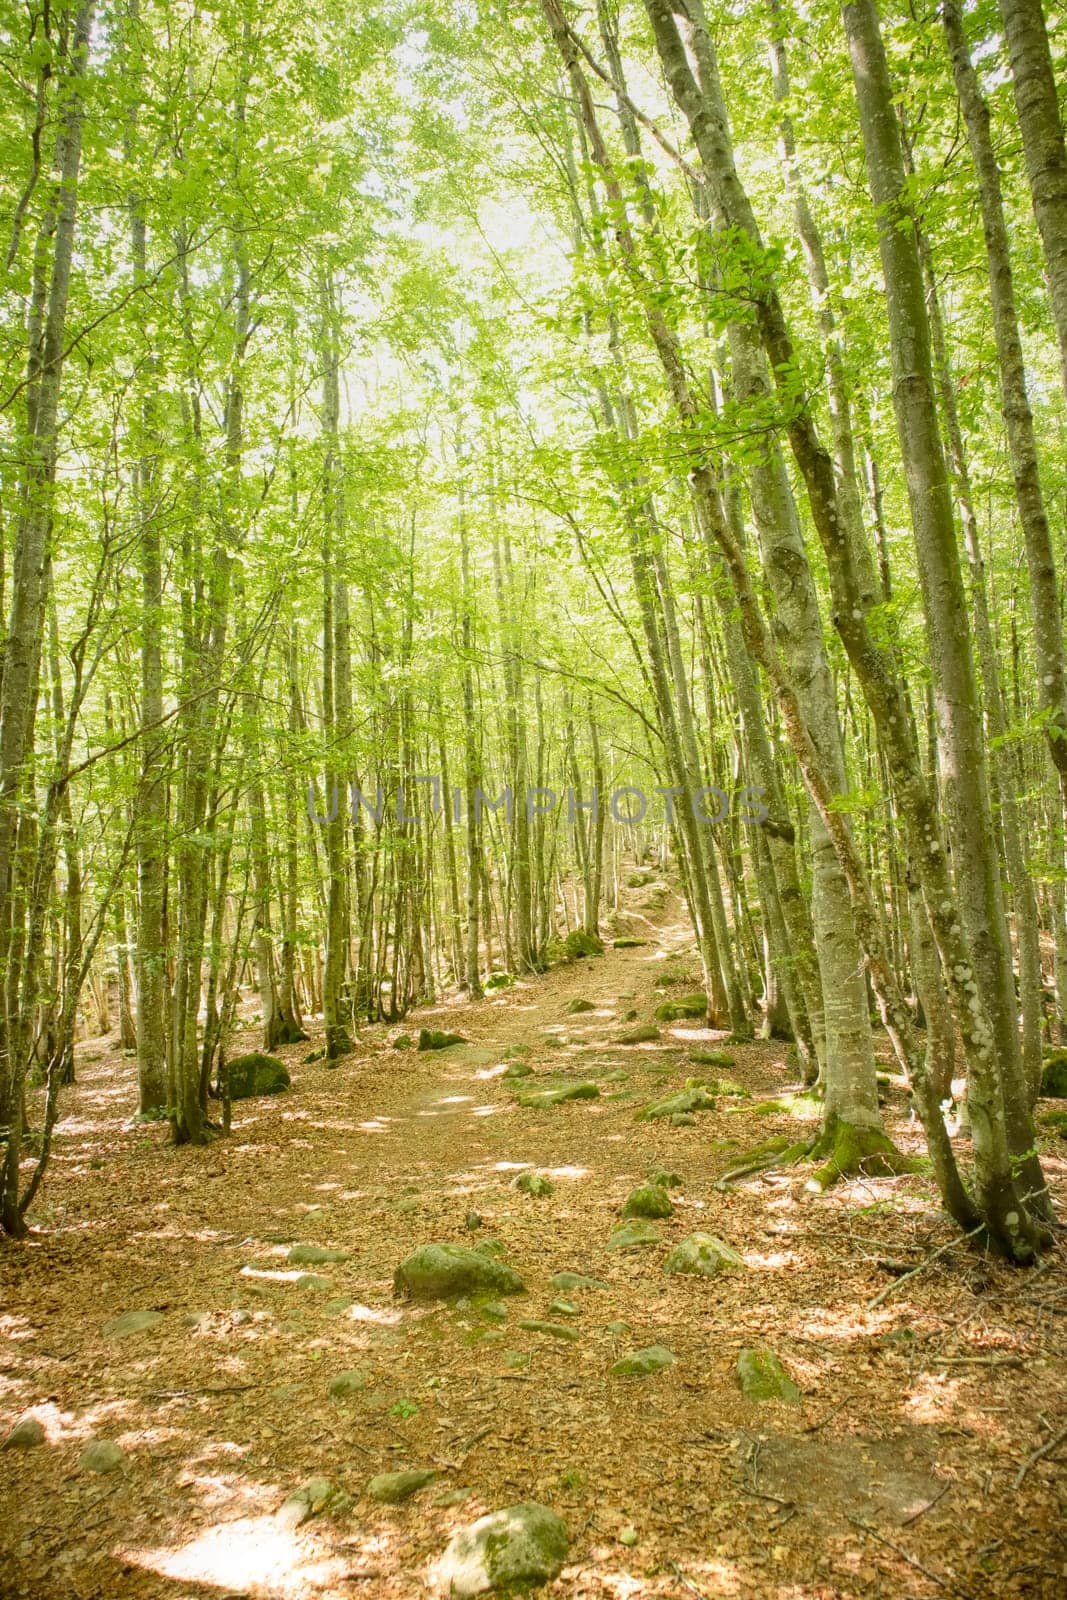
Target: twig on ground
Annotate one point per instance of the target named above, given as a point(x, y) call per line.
point(213, 1388)
point(927, 1572)
point(813, 1427)
point(929, 1506)
point(960, 1238)
point(688, 1582)
point(978, 1361)
point(1044, 1450)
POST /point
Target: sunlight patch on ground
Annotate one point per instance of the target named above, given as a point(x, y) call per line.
point(934, 1398)
point(385, 1315)
point(566, 1172)
point(279, 1276)
point(487, 1111)
point(773, 1260)
point(252, 1555)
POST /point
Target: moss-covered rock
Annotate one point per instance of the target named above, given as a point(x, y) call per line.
point(535, 1184)
point(633, 1235)
point(580, 943)
point(568, 1282)
point(446, 1271)
point(403, 1041)
point(702, 1255)
point(101, 1455)
point(1054, 1075)
point(700, 1057)
point(645, 1033)
point(517, 1069)
point(515, 1549)
point(686, 1006)
point(543, 1099)
point(684, 1103)
point(665, 1178)
point(551, 1330)
point(579, 1007)
point(350, 1382)
point(314, 1255)
point(430, 1039)
point(499, 980)
point(762, 1377)
point(629, 944)
point(647, 1200)
point(27, 1434)
point(640, 1363)
point(256, 1074)
point(1056, 1121)
point(392, 1487)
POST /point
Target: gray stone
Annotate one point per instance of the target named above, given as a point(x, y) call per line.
point(633, 1235)
point(762, 1377)
point(306, 1501)
point(27, 1434)
point(519, 1547)
point(639, 1363)
point(101, 1455)
point(535, 1184)
point(314, 1255)
point(393, 1487)
point(703, 1255)
point(647, 1200)
point(129, 1322)
point(446, 1271)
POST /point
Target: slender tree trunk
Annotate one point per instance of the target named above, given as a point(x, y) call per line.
point(1049, 651)
point(1037, 105)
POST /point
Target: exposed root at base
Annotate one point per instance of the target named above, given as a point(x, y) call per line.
point(847, 1151)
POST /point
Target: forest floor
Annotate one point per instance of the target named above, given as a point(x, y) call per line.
point(911, 1465)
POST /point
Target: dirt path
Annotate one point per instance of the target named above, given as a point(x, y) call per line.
point(892, 1476)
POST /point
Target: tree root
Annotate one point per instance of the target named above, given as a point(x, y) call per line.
point(848, 1151)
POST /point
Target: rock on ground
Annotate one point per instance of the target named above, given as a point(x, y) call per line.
point(446, 1271)
point(128, 1322)
point(101, 1455)
point(702, 1254)
point(762, 1377)
point(519, 1547)
point(27, 1434)
point(632, 1235)
point(256, 1074)
point(639, 1363)
point(393, 1487)
point(647, 1200)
